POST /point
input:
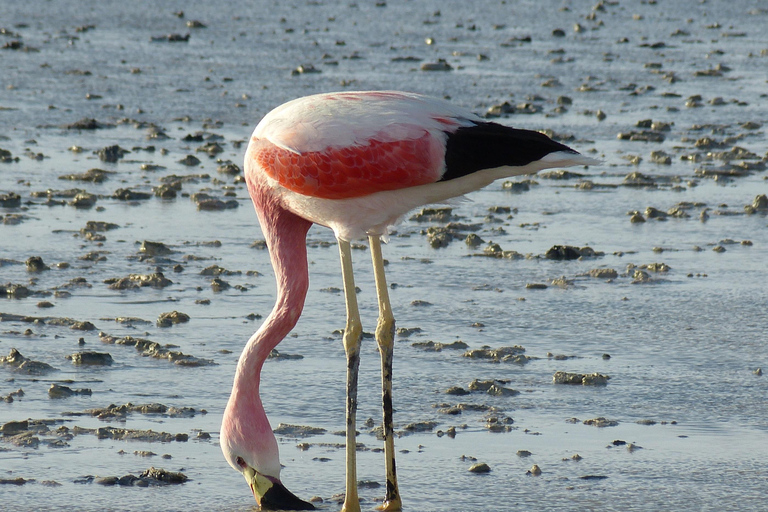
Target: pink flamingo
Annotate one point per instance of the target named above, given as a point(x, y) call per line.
point(355, 162)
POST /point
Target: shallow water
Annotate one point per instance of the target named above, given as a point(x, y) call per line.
point(684, 347)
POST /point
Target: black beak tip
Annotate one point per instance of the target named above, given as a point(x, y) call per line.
point(280, 498)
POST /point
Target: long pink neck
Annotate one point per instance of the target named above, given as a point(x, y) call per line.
point(245, 429)
point(286, 234)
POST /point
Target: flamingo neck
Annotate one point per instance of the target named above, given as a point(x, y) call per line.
point(285, 234)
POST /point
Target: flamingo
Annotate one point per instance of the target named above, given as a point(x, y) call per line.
point(355, 162)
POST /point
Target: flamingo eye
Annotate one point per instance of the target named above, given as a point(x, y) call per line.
point(241, 462)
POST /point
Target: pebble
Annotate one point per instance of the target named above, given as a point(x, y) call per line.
point(150, 477)
point(285, 429)
point(440, 65)
point(601, 422)
point(137, 281)
point(534, 471)
point(591, 379)
point(154, 349)
point(479, 467)
point(16, 360)
point(172, 317)
point(91, 358)
point(58, 391)
point(603, 273)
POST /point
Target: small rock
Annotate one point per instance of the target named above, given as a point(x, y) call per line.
point(173, 317)
point(440, 65)
point(480, 467)
point(601, 422)
point(603, 273)
point(35, 264)
point(57, 391)
point(91, 358)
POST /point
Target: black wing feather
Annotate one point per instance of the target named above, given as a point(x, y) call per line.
point(487, 145)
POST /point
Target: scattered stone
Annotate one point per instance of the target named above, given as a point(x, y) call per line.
point(35, 264)
point(305, 69)
point(644, 136)
point(431, 346)
point(640, 276)
point(86, 124)
point(559, 174)
point(137, 281)
point(91, 358)
point(656, 267)
point(10, 200)
point(207, 202)
point(523, 453)
point(173, 317)
point(601, 422)
point(517, 187)
point(84, 200)
point(567, 252)
point(603, 273)
point(111, 154)
point(496, 390)
point(288, 430)
point(760, 204)
point(13, 428)
point(274, 354)
point(91, 175)
point(229, 168)
point(126, 194)
point(219, 285)
point(440, 65)
point(170, 38)
point(534, 471)
point(57, 391)
point(591, 379)
point(21, 363)
point(660, 157)
point(152, 249)
point(637, 179)
point(13, 481)
point(511, 354)
point(420, 426)
point(434, 214)
point(501, 109)
point(480, 467)
point(190, 161)
point(152, 477)
point(153, 349)
point(215, 270)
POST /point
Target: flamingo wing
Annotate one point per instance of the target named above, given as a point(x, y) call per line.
point(343, 145)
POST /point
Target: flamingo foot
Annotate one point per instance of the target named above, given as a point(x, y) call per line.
point(351, 505)
point(393, 505)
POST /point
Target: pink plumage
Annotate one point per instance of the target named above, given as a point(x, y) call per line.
point(355, 162)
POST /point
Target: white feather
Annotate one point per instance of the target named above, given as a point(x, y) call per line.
point(321, 121)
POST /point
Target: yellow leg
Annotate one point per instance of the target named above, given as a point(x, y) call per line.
point(352, 336)
point(385, 337)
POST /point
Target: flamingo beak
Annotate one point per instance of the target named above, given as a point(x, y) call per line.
point(271, 494)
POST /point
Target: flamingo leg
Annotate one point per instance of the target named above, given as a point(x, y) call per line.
point(385, 337)
point(352, 336)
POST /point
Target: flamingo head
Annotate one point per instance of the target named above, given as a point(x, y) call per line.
point(250, 448)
